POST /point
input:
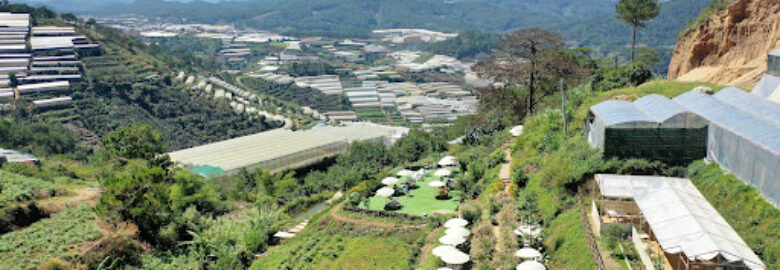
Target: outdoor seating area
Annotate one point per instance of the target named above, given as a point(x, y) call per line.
point(419, 192)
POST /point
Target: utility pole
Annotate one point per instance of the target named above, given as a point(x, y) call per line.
point(563, 107)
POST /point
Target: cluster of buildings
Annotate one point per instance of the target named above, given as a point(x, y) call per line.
point(738, 130)
point(39, 62)
point(412, 35)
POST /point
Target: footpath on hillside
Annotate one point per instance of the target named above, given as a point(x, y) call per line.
point(506, 168)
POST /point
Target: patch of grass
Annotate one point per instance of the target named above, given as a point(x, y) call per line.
point(755, 220)
point(424, 58)
point(55, 237)
point(568, 243)
point(421, 200)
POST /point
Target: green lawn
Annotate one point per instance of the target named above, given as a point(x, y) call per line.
point(421, 200)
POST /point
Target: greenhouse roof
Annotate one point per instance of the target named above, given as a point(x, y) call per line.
point(270, 145)
point(768, 85)
point(747, 125)
point(684, 222)
point(208, 171)
point(627, 186)
point(761, 108)
point(617, 112)
point(659, 107)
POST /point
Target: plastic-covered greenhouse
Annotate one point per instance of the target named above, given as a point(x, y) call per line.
point(769, 86)
point(652, 127)
point(741, 137)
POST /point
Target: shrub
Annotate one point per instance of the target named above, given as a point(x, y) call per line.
point(471, 211)
point(54, 264)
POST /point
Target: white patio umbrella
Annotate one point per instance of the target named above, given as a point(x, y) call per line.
point(440, 250)
point(456, 222)
point(452, 240)
point(436, 183)
point(389, 181)
point(459, 231)
point(447, 161)
point(416, 176)
point(284, 235)
point(455, 257)
point(385, 192)
point(528, 253)
point(531, 265)
point(528, 230)
point(405, 172)
point(443, 173)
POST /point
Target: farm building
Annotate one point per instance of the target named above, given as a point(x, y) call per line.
point(652, 127)
point(743, 136)
point(672, 224)
point(282, 149)
point(52, 102)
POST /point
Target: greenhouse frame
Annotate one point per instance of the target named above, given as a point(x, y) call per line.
point(741, 138)
point(652, 127)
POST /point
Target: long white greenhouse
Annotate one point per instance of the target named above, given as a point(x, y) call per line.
point(743, 136)
point(279, 150)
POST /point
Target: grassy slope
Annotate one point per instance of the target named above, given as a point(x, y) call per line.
point(329, 244)
point(14, 187)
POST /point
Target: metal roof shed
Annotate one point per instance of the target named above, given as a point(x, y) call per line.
point(684, 223)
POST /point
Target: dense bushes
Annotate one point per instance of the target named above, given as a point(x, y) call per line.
point(605, 79)
point(37, 138)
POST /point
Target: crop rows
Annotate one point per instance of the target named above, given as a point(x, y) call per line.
point(14, 187)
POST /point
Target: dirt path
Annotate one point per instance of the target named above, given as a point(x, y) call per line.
point(499, 241)
point(334, 213)
point(425, 251)
point(506, 169)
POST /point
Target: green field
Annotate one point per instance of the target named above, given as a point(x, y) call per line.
point(421, 200)
point(57, 237)
point(327, 244)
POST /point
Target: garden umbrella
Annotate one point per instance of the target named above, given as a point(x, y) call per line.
point(442, 173)
point(440, 250)
point(528, 253)
point(389, 181)
point(455, 257)
point(459, 231)
point(452, 240)
point(405, 172)
point(447, 161)
point(436, 183)
point(385, 192)
point(283, 235)
point(531, 265)
point(456, 222)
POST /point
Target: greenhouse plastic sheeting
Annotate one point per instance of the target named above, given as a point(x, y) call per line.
point(684, 222)
point(767, 86)
point(761, 108)
point(668, 113)
point(626, 186)
point(618, 113)
point(740, 142)
point(773, 63)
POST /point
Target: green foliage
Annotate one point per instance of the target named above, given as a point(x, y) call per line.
point(467, 45)
point(308, 68)
point(55, 237)
point(567, 242)
point(14, 187)
point(637, 12)
point(755, 220)
point(415, 145)
point(608, 78)
point(38, 138)
point(302, 96)
point(136, 141)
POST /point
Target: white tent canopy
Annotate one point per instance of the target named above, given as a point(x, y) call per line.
point(389, 181)
point(454, 257)
point(531, 265)
point(436, 183)
point(441, 250)
point(516, 131)
point(447, 161)
point(442, 173)
point(456, 222)
point(385, 192)
point(684, 222)
point(452, 240)
point(459, 231)
point(405, 172)
point(284, 235)
point(528, 253)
